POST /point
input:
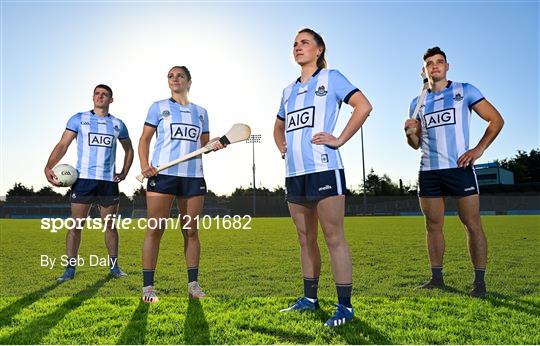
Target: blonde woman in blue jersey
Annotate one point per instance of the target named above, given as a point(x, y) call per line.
point(96, 132)
point(315, 180)
point(446, 167)
point(180, 127)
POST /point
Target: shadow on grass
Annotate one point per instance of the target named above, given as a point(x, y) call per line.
point(501, 300)
point(357, 332)
point(453, 290)
point(283, 336)
point(36, 330)
point(196, 330)
point(7, 313)
point(135, 331)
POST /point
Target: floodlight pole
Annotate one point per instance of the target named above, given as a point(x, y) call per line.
point(254, 139)
point(254, 200)
point(363, 169)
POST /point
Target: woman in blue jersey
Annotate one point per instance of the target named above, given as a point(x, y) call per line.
point(180, 127)
point(315, 180)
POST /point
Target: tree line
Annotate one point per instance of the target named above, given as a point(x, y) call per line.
point(525, 166)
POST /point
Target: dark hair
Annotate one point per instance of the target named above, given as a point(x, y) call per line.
point(321, 60)
point(106, 87)
point(186, 71)
point(434, 51)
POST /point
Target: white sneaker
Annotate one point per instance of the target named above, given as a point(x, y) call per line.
point(149, 295)
point(194, 290)
point(117, 273)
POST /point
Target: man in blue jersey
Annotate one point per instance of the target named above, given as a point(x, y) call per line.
point(446, 168)
point(96, 132)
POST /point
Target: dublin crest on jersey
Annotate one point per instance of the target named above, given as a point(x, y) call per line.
point(165, 113)
point(321, 91)
point(458, 97)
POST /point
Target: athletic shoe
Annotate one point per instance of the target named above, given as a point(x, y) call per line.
point(433, 283)
point(342, 315)
point(302, 304)
point(117, 273)
point(149, 294)
point(195, 290)
point(69, 274)
point(479, 290)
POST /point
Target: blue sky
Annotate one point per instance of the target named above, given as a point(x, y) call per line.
point(239, 53)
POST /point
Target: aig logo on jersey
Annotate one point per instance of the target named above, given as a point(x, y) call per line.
point(440, 118)
point(100, 140)
point(301, 118)
point(186, 132)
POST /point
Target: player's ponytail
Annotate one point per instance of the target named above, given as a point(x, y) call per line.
point(321, 59)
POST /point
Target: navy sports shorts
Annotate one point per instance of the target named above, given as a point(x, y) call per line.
point(178, 186)
point(315, 186)
point(458, 182)
point(101, 192)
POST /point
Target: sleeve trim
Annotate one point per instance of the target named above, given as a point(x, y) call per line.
point(205, 132)
point(280, 118)
point(67, 128)
point(151, 125)
point(349, 95)
point(123, 138)
point(475, 102)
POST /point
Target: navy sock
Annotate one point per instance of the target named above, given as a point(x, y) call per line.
point(479, 274)
point(310, 287)
point(70, 260)
point(344, 292)
point(148, 277)
point(114, 261)
point(192, 274)
point(436, 272)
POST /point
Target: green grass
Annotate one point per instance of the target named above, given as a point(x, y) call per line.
point(250, 275)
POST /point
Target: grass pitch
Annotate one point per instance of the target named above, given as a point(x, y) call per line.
point(249, 275)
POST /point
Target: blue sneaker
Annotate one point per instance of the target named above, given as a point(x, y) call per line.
point(116, 272)
point(302, 304)
point(342, 315)
point(69, 274)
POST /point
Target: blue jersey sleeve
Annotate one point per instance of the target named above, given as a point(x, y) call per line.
point(341, 86)
point(124, 134)
point(152, 119)
point(411, 108)
point(281, 112)
point(73, 123)
point(205, 123)
point(472, 95)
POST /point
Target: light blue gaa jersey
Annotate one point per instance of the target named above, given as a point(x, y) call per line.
point(96, 144)
point(178, 132)
point(446, 118)
point(310, 108)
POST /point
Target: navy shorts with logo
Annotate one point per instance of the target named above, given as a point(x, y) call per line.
point(315, 186)
point(178, 186)
point(101, 192)
point(459, 182)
